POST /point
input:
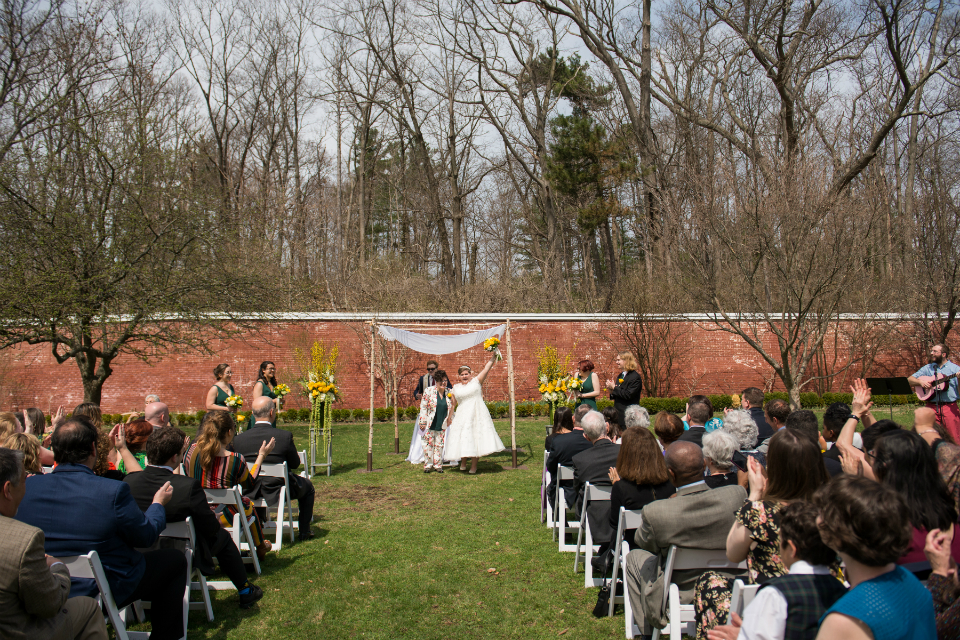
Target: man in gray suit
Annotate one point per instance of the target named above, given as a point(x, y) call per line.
point(697, 517)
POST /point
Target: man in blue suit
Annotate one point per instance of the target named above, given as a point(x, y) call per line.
point(80, 512)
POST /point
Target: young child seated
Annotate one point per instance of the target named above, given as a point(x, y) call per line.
point(791, 606)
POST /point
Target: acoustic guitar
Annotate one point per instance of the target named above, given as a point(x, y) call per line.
point(937, 383)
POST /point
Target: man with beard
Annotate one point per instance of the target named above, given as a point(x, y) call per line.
point(944, 401)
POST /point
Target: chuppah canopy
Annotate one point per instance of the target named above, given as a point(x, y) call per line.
point(439, 345)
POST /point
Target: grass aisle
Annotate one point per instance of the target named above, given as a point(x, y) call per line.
point(403, 554)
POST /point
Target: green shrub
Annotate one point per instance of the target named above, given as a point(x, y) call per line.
point(809, 400)
point(383, 414)
point(829, 398)
point(361, 414)
point(524, 409)
point(776, 395)
point(411, 413)
point(670, 405)
point(604, 403)
point(303, 415)
point(199, 415)
point(720, 402)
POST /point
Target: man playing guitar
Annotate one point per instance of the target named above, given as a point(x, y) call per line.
point(944, 401)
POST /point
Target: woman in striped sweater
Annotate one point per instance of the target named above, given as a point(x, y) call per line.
point(210, 462)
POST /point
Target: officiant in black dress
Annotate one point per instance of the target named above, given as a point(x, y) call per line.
point(626, 390)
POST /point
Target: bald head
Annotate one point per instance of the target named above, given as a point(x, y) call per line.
point(157, 414)
point(684, 463)
point(263, 408)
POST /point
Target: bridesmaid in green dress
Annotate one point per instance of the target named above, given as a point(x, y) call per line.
point(221, 390)
point(265, 384)
point(591, 385)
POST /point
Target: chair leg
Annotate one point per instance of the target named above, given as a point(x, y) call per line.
point(205, 592)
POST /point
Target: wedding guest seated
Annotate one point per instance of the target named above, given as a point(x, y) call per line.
point(668, 428)
point(636, 416)
point(565, 446)
point(35, 587)
point(80, 512)
point(697, 415)
point(250, 442)
point(943, 582)
point(697, 517)
point(151, 397)
point(165, 448)
point(868, 525)
point(157, 414)
point(805, 422)
point(135, 436)
point(639, 478)
point(9, 424)
point(713, 423)
point(944, 448)
point(871, 434)
point(562, 423)
point(904, 462)
point(211, 462)
point(791, 606)
point(718, 449)
point(30, 447)
point(794, 472)
point(593, 465)
point(612, 419)
point(775, 412)
point(34, 424)
point(751, 400)
point(741, 426)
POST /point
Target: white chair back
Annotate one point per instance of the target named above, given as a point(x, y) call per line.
point(284, 507)
point(560, 509)
point(626, 520)
point(743, 594)
point(591, 493)
point(240, 529)
point(88, 566)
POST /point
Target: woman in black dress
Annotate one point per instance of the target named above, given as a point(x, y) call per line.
point(640, 476)
point(626, 390)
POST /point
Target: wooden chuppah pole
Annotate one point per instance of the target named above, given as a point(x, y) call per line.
point(396, 401)
point(513, 399)
point(373, 364)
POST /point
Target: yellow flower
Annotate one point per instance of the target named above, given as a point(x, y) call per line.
point(241, 418)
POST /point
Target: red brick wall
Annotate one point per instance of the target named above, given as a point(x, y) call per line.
point(718, 362)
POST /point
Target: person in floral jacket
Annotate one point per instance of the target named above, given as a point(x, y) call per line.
point(436, 414)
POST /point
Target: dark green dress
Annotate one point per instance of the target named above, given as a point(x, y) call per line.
point(222, 396)
point(587, 388)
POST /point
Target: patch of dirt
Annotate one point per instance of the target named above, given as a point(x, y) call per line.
point(367, 498)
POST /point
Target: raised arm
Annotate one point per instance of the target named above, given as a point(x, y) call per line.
point(486, 368)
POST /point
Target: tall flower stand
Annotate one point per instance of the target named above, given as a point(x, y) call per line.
point(321, 437)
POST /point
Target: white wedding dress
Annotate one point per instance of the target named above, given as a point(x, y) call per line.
point(471, 434)
point(416, 445)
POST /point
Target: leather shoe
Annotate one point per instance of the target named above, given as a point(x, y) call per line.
point(247, 601)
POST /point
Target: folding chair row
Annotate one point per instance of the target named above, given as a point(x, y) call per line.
point(743, 594)
point(560, 511)
point(626, 520)
point(546, 514)
point(591, 493)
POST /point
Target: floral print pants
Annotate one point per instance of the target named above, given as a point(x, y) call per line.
point(433, 448)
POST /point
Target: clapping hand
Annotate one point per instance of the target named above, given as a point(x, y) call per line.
point(267, 447)
point(861, 397)
point(614, 475)
point(727, 631)
point(163, 494)
point(937, 549)
point(27, 423)
point(117, 438)
point(58, 418)
point(758, 481)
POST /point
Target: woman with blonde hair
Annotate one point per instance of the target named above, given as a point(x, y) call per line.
point(8, 424)
point(31, 451)
point(626, 390)
point(210, 462)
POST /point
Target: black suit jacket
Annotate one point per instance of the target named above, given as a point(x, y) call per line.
point(764, 430)
point(188, 500)
point(425, 381)
point(564, 447)
point(626, 393)
point(593, 466)
point(694, 435)
point(248, 444)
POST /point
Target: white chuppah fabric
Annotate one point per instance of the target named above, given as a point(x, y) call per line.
point(439, 345)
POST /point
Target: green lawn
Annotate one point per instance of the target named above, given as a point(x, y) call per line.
point(401, 554)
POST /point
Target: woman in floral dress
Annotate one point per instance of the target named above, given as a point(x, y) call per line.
point(795, 470)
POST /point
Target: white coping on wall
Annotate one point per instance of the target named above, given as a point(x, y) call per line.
point(335, 316)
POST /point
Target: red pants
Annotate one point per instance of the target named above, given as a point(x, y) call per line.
point(949, 417)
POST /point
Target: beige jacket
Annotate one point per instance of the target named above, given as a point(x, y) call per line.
point(31, 594)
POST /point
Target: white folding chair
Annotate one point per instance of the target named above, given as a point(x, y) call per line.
point(591, 493)
point(47, 470)
point(562, 523)
point(88, 566)
point(681, 617)
point(284, 508)
point(626, 520)
point(306, 473)
point(743, 594)
point(240, 529)
point(545, 512)
point(185, 531)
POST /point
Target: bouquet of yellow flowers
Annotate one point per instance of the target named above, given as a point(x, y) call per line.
point(281, 390)
point(322, 387)
point(234, 402)
point(493, 345)
point(574, 383)
point(553, 391)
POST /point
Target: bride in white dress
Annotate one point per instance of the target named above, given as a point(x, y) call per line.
point(472, 433)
